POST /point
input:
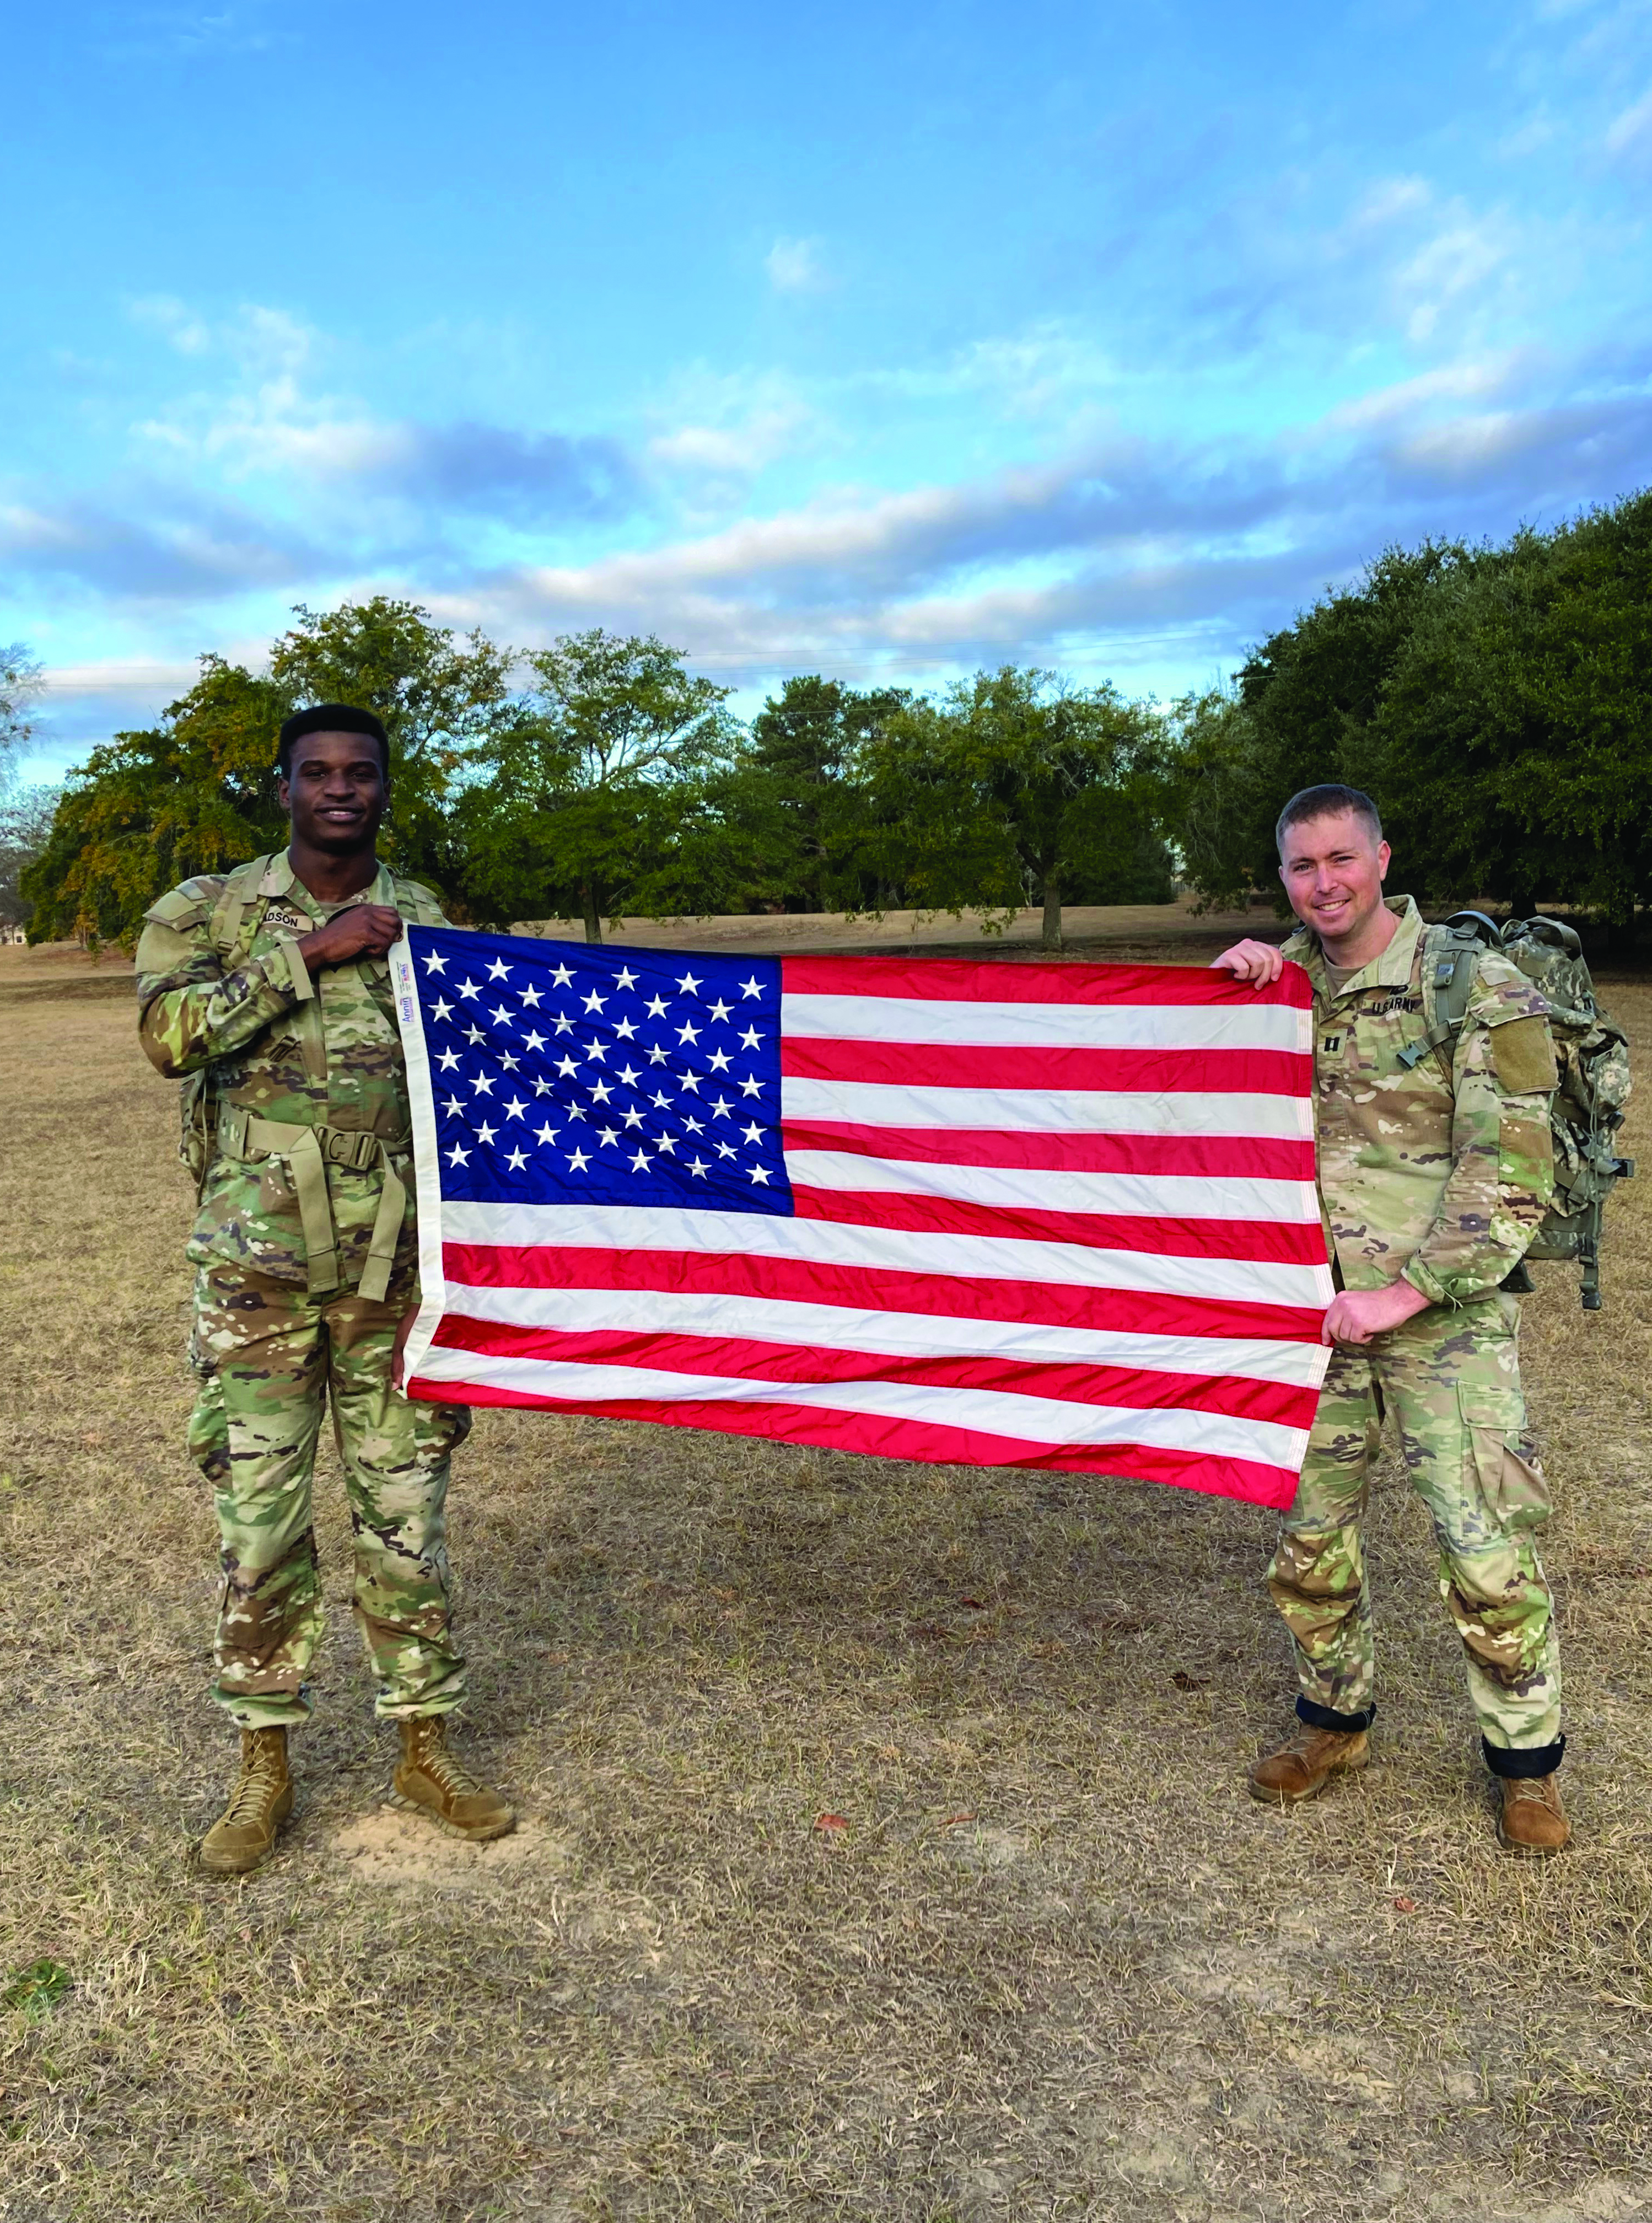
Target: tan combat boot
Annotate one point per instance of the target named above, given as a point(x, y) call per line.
point(243, 1836)
point(1303, 1766)
point(431, 1780)
point(1532, 1821)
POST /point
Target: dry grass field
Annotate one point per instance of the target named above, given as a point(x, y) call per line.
point(1057, 1964)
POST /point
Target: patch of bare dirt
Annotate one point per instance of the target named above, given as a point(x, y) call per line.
point(398, 1850)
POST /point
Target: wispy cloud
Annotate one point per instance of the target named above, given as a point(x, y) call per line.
point(159, 34)
point(797, 266)
point(730, 428)
point(160, 550)
point(269, 422)
point(1114, 547)
point(1630, 131)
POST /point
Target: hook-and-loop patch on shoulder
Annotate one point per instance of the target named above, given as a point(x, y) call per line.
point(1523, 1055)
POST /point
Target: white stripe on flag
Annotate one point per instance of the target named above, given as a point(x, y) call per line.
point(1260, 1116)
point(997, 1412)
point(1047, 1026)
point(1156, 1196)
point(843, 1327)
point(818, 1241)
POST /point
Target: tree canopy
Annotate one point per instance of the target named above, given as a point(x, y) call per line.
point(1014, 789)
point(1496, 702)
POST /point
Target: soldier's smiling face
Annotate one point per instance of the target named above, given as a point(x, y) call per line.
point(334, 793)
point(1332, 872)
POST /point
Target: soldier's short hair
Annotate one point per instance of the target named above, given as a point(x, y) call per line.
point(1329, 800)
point(329, 718)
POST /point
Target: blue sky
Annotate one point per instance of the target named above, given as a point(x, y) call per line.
point(887, 342)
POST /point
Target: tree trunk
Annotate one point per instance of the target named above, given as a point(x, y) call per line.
point(1052, 909)
point(592, 916)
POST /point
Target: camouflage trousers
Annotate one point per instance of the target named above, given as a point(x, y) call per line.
point(1452, 1382)
point(268, 1357)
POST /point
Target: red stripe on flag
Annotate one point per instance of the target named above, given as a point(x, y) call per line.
point(1275, 1242)
point(872, 1289)
point(932, 979)
point(884, 1438)
point(1006, 1067)
point(1237, 1396)
point(1209, 1157)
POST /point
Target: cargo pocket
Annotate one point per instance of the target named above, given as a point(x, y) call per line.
point(275, 1193)
point(1512, 1490)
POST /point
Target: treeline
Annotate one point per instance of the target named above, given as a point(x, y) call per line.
point(1497, 701)
point(614, 782)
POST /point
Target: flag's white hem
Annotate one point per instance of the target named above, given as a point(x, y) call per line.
point(427, 1181)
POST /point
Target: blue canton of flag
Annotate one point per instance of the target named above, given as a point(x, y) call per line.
point(591, 1076)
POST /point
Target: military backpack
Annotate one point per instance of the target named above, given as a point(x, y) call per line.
point(1590, 1050)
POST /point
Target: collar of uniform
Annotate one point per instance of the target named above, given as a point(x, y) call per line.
point(1392, 969)
point(281, 879)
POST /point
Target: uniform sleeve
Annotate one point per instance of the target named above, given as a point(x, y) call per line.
point(1503, 1163)
point(190, 1010)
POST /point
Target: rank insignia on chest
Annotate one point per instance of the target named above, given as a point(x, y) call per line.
point(1331, 1044)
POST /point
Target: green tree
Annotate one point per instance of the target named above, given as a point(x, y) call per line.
point(439, 699)
point(1496, 702)
point(1305, 710)
point(194, 794)
point(1222, 797)
point(1016, 789)
point(26, 819)
point(573, 803)
point(800, 792)
point(1512, 748)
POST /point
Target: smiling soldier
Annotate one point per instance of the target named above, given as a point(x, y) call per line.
point(1435, 1169)
point(266, 990)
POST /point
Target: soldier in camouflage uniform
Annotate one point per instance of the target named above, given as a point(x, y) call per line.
point(266, 990)
point(1435, 1169)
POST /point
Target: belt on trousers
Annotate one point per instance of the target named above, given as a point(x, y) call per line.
point(309, 1151)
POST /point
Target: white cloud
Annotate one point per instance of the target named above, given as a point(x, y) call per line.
point(165, 314)
point(1632, 129)
point(1048, 368)
point(1465, 444)
point(1088, 557)
point(1456, 262)
point(138, 676)
point(160, 34)
point(1469, 381)
point(1388, 201)
point(733, 451)
point(795, 266)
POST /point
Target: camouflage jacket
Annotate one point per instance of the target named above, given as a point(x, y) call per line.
point(270, 1041)
point(1442, 1181)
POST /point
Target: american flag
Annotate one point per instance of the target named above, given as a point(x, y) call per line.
point(1000, 1214)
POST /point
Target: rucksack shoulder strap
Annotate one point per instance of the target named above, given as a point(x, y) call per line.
point(239, 890)
point(1448, 957)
